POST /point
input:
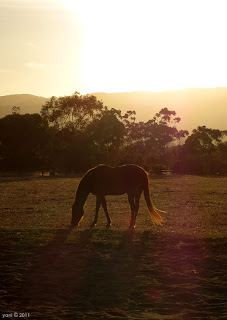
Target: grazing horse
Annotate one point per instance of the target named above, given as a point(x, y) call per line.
point(104, 180)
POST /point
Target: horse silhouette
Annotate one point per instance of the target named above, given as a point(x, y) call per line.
point(103, 180)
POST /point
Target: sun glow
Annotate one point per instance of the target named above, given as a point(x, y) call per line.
point(151, 45)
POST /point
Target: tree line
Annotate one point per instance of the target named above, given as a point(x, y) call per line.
point(74, 133)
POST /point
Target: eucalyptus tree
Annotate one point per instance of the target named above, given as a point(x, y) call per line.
point(74, 112)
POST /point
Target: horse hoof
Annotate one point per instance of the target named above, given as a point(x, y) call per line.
point(131, 228)
point(108, 225)
point(92, 225)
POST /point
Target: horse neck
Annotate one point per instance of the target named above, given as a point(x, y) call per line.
point(83, 191)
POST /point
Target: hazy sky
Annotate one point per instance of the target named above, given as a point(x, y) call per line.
point(57, 47)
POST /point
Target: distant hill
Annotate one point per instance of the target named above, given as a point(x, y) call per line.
point(28, 103)
point(195, 107)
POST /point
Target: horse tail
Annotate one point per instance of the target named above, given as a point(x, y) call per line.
point(155, 216)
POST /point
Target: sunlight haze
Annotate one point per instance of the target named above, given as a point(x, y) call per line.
point(56, 47)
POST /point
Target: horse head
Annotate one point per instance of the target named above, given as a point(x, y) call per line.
point(77, 214)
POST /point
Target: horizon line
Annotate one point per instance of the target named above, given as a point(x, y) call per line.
point(115, 92)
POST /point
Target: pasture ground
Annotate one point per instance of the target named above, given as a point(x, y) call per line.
point(51, 271)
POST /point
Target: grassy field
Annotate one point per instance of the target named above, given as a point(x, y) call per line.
point(50, 271)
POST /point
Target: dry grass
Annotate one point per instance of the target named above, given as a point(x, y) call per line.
point(176, 271)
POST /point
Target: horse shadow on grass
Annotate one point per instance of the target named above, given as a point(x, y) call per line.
point(72, 273)
point(122, 272)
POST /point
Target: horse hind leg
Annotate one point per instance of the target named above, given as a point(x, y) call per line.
point(106, 212)
point(134, 201)
point(137, 203)
point(131, 201)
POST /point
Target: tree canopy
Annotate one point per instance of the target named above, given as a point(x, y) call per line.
point(74, 133)
point(74, 112)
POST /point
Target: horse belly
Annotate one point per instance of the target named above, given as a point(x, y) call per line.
point(113, 189)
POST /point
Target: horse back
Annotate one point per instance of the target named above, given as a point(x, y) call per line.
point(117, 180)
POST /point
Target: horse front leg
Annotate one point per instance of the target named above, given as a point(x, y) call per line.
point(98, 204)
point(106, 212)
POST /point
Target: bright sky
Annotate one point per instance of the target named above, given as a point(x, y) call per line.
point(57, 47)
